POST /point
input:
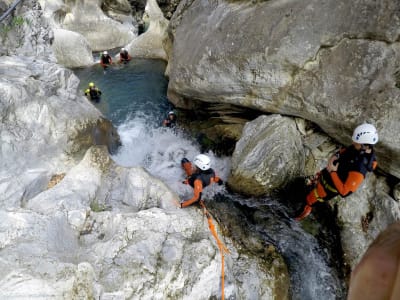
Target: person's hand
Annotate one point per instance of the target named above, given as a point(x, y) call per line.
point(377, 275)
point(332, 164)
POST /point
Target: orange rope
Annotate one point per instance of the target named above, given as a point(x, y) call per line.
point(222, 248)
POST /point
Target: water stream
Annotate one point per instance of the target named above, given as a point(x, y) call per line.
point(134, 99)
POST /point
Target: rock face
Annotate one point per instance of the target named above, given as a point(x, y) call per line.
point(269, 154)
point(150, 43)
point(71, 49)
point(325, 62)
point(25, 32)
point(108, 231)
point(76, 225)
point(363, 215)
point(43, 118)
point(88, 19)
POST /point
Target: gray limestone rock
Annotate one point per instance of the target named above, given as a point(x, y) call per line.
point(334, 63)
point(269, 154)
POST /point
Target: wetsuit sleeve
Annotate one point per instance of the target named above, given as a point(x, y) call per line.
point(351, 184)
point(198, 188)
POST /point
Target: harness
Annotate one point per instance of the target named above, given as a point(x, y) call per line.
point(327, 186)
point(204, 176)
point(349, 160)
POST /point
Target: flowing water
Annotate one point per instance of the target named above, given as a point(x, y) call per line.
point(134, 99)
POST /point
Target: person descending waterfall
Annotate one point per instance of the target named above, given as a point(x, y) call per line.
point(345, 170)
point(105, 60)
point(170, 121)
point(198, 176)
point(93, 93)
point(124, 56)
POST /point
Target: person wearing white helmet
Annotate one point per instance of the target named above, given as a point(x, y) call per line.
point(346, 169)
point(170, 121)
point(105, 59)
point(124, 56)
point(198, 175)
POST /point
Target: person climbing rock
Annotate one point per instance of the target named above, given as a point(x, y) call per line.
point(124, 56)
point(105, 60)
point(93, 93)
point(346, 169)
point(170, 121)
point(199, 175)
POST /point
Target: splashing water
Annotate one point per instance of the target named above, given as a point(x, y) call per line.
point(134, 99)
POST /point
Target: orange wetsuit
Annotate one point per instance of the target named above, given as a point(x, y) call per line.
point(353, 166)
point(198, 181)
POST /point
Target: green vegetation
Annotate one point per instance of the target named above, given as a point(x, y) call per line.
point(98, 207)
point(15, 23)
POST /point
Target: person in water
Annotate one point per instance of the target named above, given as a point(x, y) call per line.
point(124, 56)
point(93, 93)
point(105, 60)
point(170, 121)
point(346, 169)
point(199, 175)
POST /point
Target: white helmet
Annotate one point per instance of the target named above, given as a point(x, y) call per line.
point(365, 134)
point(122, 49)
point(105, 52)
point(171, 113)
point(202, 161)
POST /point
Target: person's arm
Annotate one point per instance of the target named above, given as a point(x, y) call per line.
point(198, 188)
point(377, 275)
point(353, 181)
point(374, 164)
point(216, 179)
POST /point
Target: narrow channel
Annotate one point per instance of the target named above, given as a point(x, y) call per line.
point(134, 99)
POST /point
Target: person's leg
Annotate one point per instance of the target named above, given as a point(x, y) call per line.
point(315, 195)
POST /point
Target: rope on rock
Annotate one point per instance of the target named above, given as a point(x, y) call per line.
point(10, 10)
point(222, 248)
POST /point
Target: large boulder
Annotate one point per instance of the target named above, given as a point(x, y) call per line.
point(269, 154)
point(323, 61)
point(42, 126)
point(71, 49)
point(150, 43)
point(88, 19)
